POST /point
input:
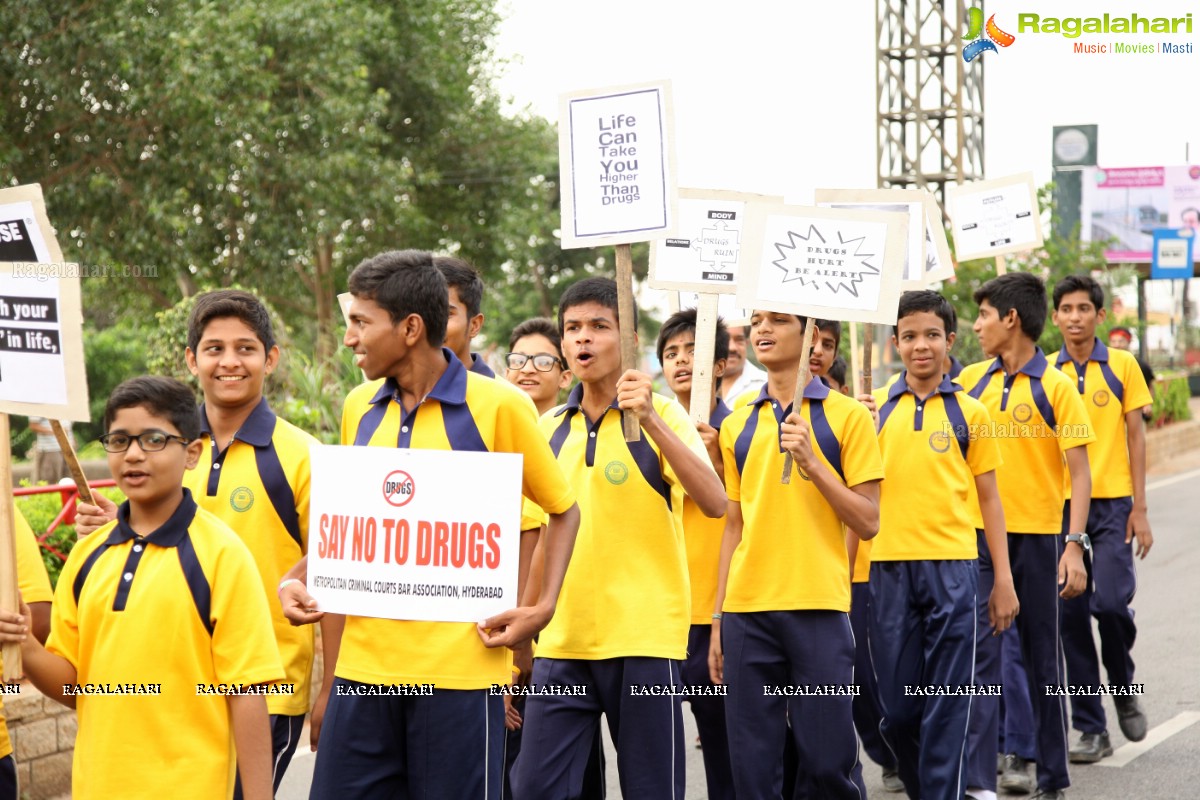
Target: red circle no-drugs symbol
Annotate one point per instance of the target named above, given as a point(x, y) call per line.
point(398, 488)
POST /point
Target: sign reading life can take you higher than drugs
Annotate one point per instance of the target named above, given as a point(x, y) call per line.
point(617, 165)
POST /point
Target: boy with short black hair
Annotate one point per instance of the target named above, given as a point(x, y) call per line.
point(465, 316)
point(924, 570)
point(420, 395)
point(1038, 420)
point(624, 616)
point(149, 610)
point(1115, 395)
point(677, 354)
point(780, 618)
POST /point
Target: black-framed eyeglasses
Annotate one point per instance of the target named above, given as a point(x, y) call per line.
point(149, 441)
point(542, 362)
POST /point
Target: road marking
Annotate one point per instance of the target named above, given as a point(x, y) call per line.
point(1157, 735)
point(1174, 479)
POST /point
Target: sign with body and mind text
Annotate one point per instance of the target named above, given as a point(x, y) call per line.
point(617, 165)
point(41, 319)
point(390, 536)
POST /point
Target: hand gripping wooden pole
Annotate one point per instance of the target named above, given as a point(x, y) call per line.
point(810, 328)
point(625, 318)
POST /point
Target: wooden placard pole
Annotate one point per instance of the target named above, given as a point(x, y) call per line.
point(868, 341)
point(1001, 267)
point(809, 331)
point(625, 318)
point(73, 465)
point(855, 358)
point(9, 599)
point(703, 357)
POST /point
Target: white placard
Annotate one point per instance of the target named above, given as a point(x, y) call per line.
point(909, 202)
point(617, 170)
point(389, 535)
point(41, 321)
point(939, 265)
point(827, 263)
point(995, 217)
point(727, 308)
point(704, 253)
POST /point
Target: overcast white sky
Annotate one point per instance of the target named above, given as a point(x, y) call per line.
point(779, 97)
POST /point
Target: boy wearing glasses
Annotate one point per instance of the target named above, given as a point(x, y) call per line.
point(160, 632)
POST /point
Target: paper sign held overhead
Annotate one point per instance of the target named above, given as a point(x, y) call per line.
point(995, 217)
point(909, 202)
point(388, 538)
point(704, 253)
point(617, 165)
point(41, 319)
point(826, 263)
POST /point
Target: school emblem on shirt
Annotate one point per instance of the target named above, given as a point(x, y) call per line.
point(1023, 412)
point(242, 499)
point(616, 472)
point(939, 441)
point(1100, 398)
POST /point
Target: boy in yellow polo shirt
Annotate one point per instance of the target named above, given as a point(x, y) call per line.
point(466, 317)
point(253, 474)
point(924, 569)
point(420, 395)
point(1038, 422)
point(160, 635)
point(781, 636)
point(623, 621)
point(34, 585)
point(677, 355)
point(1115, 394)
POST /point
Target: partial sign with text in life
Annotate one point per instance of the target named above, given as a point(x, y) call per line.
point(617, 165)
point(389, 534)
point(41, 320)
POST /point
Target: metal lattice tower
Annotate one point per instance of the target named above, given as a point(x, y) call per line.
point(930, 102)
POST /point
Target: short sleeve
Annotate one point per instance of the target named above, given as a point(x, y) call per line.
point(243, 643)
point(861, 458)
point(680, 423)
point(64, 613)
point(1137, 393)
point(517, 431)
point(32, 578)
point(733, 478)
point(983, 452)
point(532, 515)
point(1074, 424)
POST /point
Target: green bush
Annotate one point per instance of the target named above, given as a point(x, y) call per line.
point(1171, 397)
point(40, 510)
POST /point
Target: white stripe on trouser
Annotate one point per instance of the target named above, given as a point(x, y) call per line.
point(961, 783)
point(671, 718)
point(857, 761)
point(279, 755)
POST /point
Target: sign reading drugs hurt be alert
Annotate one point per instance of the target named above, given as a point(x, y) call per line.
point(617, 168)
point(391, 536)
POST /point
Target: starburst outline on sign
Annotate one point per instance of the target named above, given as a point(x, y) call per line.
point(852, 286)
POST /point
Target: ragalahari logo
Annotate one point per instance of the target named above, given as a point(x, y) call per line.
point(992, 35)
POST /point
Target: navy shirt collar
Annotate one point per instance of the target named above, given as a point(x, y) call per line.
point(480, 367)
point(719, 413)
point(1034, 367)
point(815, 390)
point(451, 387)
point(575, 401)
point(170, 534)
point(257, 430)
point(898, 388)
point(1099, 353)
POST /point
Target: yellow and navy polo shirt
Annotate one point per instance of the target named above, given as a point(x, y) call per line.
point(862, 560)
point(532, 515)
point(463, 411)
point(34, 584)
point(1036, 416)
point(702, 535)
point(626, 593)
point(956, 368)
point(929, 452)
point(793, 549)
point(178, 609)
point(259, 487)
point(1111, 385)
point(480, 367)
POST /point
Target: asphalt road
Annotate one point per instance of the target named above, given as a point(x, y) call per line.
point(1166, 766)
